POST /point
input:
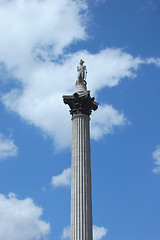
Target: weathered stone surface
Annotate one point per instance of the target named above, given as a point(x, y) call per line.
point(81, 200)
point(81, 103)
point(79, 88)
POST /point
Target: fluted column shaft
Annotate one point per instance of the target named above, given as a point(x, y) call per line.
point(81, 199)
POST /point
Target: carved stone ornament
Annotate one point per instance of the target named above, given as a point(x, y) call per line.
point(81, 103)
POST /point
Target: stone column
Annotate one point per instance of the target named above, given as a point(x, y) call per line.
point(81, 106)
point(81, 199)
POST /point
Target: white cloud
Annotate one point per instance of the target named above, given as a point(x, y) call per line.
point(156, 157)
point(36, 27)
point(7, 147)
point(66, 233)
point(155, 61)
point(98, 232)
point(20, 219)
point(104, 120)
point(42, 93)
point(63, 179)
point(35, 34)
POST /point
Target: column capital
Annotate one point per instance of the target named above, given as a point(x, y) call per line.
point(80, 103)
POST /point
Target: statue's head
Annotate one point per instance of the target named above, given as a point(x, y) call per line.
point(81, 62)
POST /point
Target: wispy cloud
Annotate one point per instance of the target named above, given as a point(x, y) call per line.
point(63, 179)
point(100, 1)
point(149, 5)
point(21, 219)
point(156, 157)
point(7, 147)
point(66, 233)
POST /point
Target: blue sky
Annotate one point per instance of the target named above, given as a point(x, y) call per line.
point(41, 43)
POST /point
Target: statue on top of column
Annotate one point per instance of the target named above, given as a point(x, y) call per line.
point(82, 73)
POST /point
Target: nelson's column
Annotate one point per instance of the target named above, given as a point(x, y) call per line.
point(81, 105)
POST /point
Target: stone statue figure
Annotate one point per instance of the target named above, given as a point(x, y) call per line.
point(82, 72)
